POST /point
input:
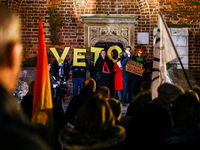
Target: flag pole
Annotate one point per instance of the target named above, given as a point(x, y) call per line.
point(176, 51)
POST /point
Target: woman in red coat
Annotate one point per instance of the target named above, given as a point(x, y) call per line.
point(118, 78)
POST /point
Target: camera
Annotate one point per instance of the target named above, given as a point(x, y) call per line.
point(60, 90)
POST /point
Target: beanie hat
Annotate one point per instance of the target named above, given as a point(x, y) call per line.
point(169, 91)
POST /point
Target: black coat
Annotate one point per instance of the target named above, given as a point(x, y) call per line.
point(56, 68)
point(148, 125)
point(27, 105)
point(99, 64)
point(102, 78)
point(75, 105)
point(79, 71)
point(16, 132)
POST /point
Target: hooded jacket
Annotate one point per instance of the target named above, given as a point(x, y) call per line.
point(124, 59)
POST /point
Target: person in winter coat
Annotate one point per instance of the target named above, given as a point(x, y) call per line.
point(103, 67)
point(61, 70)
point(154, 119)
point(27, 101)
point(129, 79)
point(143, 98)
point(16, 130)
point(139, 79)
point(89, 88)
point(94, 128)
point(118, 79)
point(186, 117)
point(115, 105)
point(78, 75)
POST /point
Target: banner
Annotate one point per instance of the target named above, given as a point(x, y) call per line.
point(164, 51)
point(42, 103)
point(134, 67)
point(95, 50)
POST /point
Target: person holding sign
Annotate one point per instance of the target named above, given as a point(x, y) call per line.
point(139, 79)
point(103, 67)
point(129, 78)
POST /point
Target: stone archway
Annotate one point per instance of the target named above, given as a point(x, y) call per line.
point(109, 28)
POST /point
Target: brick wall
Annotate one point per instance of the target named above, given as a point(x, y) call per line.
point(70, 32)
point(179, 13)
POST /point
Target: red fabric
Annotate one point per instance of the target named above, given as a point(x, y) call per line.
point(42, 80)
point(118, 77)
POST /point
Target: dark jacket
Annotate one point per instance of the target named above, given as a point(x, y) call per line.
point(27, 105)
point(141, 100)
point(181, 137)
point(100, 62)
point(75, 105)
point(108, 139)
point(79, 71)
point(16, 132)
point(65, 71)
point(124, 59)
point(104, 72)
point(92, 70)
point(148, 125)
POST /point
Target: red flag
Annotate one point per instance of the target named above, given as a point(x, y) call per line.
point(42, 103)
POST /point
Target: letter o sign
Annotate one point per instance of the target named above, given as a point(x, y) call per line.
point(119, 50)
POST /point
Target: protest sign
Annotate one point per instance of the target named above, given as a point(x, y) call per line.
point(134, 67)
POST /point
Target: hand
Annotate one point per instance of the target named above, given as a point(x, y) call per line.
point(143, 70)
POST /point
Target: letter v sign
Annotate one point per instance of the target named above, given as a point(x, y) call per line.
point(64, 54)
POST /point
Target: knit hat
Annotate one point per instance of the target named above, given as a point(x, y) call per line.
point(169, 91)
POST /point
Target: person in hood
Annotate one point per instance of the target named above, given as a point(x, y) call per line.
point(104, 68)
point(94, 128)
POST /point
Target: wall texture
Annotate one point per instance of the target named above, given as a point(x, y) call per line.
point(63, 27)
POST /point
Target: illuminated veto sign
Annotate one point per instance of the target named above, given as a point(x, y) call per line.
point(95, 50)
point(134, 67)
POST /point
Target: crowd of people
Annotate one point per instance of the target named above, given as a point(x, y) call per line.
point(93, 119)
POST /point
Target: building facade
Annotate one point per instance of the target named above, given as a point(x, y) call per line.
point(84, 23)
